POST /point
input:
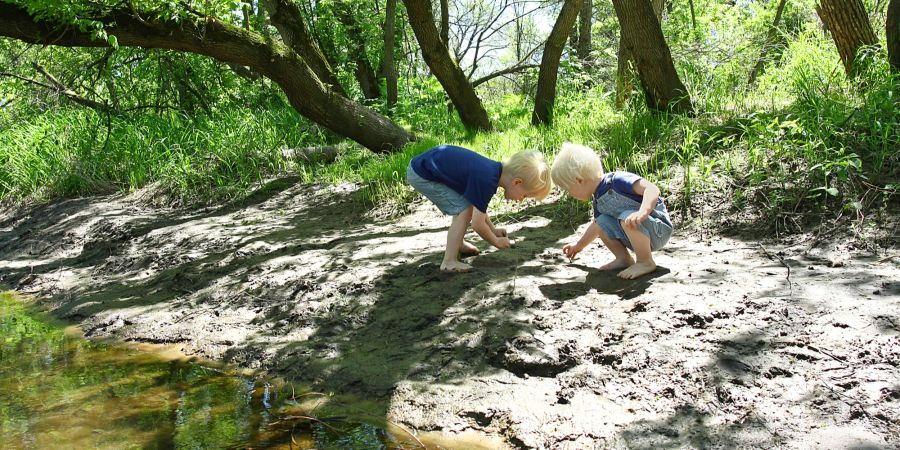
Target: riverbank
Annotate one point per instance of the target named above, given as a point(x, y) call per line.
point(731, 342)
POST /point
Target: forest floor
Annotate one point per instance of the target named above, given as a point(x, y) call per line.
point(732, 342)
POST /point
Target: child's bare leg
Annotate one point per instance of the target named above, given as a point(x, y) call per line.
point(618, 249)
point(455, 235)
point(641, 244)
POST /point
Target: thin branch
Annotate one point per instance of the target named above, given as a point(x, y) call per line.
point(514, 69)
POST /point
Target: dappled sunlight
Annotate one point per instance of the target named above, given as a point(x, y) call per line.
point(529, 341)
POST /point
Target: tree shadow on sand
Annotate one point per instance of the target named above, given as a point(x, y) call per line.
point(418, 324)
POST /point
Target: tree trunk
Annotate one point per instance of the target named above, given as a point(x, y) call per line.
point(850, 28)
point(625, 73)
point(546, 86)
point(642, 36)
point(445, 22)
point(770, 40)
point(365, 71)
point(584, 31)
point(230, 44)
point(448, 73)
point(387, 64)
point(288, 20)
point(892, 30)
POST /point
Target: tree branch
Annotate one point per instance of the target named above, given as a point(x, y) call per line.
point(514, 69)
point(227, 43)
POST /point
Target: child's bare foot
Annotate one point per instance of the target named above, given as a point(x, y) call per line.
point(467, 249)
point(618, 263)
point(455, 267)
point(638, 269)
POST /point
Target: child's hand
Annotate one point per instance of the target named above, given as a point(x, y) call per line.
point(500, 232)
point(636, 218)
point(571, 251)
point(503, 242)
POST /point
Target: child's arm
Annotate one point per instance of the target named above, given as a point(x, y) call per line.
point(481, 225)
point(592, 232)
point(499, 232)
point(651, 195)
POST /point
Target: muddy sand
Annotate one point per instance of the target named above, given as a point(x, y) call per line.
point(731, 343)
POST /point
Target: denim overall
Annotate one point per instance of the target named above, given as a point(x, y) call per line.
point(612, 207)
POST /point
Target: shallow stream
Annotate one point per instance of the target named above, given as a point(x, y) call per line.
point(59, 390)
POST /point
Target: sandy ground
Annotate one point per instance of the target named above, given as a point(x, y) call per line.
point(731, 343)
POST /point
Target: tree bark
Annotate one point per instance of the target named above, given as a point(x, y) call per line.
point(288, 20)
point(227, 43)
point(770, 40)
point(625, 71)
point(850, 28)
point(642, 35)
point(584, 31)
point(445, 22)
point(448, 73)
point(546, 86)
point(892, 30)
point(365, 71)
point(387, 64)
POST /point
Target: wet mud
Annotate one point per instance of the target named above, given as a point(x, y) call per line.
point(731, 343)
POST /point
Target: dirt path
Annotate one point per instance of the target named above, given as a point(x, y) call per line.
point(730, 343)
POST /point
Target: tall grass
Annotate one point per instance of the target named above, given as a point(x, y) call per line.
point(71, 152)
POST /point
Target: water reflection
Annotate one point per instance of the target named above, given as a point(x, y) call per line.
point(61, 391)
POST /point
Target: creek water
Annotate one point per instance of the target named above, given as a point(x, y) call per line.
point(59, 390)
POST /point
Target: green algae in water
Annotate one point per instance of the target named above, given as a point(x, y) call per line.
point(60, 391)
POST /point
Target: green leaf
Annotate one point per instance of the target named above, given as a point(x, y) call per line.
point(832, 191)
point(113, 41)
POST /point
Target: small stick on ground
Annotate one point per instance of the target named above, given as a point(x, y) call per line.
point(780, 259)
point(407, 432)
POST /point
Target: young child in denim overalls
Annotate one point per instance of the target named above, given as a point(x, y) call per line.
point(628, 213)
point(461, 183)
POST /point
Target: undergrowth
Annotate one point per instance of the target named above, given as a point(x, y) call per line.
point(804, 144)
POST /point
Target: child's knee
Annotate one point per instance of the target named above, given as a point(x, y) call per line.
point(466, 214)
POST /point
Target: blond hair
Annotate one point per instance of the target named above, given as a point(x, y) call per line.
point(532, 168)
point(575, 161)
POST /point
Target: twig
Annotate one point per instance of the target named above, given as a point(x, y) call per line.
point(790, 283)
point(407, 432)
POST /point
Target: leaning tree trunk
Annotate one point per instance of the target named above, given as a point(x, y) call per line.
point(642, 36)
point(850, 28)
point(387, 63)
point(770, 40)
point(546, 86)
point(288, 20)
point(583, 49)
point(625, 72)
point(448, 73)
point(227, 43)
point(892, 30)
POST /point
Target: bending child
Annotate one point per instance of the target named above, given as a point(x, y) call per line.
point(628, 213)
point(461, 183)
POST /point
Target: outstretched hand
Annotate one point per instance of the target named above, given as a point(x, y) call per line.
point(571, 251)
point(504, 242)
point(500, 232)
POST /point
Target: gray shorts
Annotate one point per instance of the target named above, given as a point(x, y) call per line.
point(447, 200)
point(657, 230)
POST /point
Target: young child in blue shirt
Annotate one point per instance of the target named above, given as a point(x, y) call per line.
point(461, 183)
point(627, 210)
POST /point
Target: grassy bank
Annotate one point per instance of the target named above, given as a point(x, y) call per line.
point(804, 139)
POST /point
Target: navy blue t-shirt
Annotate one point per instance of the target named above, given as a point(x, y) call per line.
point(471, 175)
point(623, 183)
